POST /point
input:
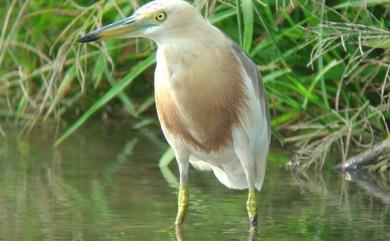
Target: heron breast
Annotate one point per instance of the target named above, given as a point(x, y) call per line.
point(201, 103)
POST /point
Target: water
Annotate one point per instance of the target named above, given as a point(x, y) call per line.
point(104, 184)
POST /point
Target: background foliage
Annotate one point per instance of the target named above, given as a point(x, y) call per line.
point(325, 65)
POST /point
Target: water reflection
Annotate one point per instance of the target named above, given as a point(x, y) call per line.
point(180, 234)
point(374, 185)
point(105, 184)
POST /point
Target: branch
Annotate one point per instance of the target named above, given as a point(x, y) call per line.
point(365, 158)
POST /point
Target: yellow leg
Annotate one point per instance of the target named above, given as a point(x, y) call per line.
point(251, 207)
point(180, 233)
point(183, 201)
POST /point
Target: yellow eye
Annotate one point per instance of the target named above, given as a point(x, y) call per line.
point(161, 16)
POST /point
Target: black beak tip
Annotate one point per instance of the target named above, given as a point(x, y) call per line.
point(88, 38)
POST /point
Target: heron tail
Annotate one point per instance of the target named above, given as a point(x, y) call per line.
point(229, 173)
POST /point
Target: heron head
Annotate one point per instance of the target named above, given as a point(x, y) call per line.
point(158, 20)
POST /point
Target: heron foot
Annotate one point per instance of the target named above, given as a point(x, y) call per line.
point(183, 201)
point(251, 207)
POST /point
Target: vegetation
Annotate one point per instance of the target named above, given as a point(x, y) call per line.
point(325, 66)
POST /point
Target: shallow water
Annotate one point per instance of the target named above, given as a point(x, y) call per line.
point(105, 184)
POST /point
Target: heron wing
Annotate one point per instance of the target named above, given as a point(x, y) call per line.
point(251, 70)
point(259, 131)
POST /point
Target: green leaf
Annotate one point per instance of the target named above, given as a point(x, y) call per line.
point(220, 16)
point(247, 12)
point(148, 102)
point(275, 74)
point(287, 116)
point(113, 92)
point(64, 87)
point(122, 96)
point(318, 78)
point(21, 107)
point(144, 122)
point(98, 71)
point(167, 157)
point(384, 44)
point(362, 3)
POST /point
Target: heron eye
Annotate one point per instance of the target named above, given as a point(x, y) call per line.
point(161, 16)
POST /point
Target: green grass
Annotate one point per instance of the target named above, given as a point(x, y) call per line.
point(325, 66)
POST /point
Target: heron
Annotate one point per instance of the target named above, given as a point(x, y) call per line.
point(210, 99)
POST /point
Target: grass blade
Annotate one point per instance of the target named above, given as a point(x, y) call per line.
point(247, 13)
point(114, 91)
point(319, 76)
point(167, 157)
point(125, 100)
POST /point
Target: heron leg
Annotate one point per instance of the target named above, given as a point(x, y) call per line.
point(241, 148)
point(183, 197)
point(251, 207)
point(182, 204)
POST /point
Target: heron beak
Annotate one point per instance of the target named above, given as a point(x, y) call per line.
point(125, 28)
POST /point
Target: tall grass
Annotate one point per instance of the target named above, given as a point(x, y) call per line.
point(325, 66)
